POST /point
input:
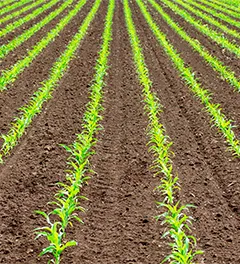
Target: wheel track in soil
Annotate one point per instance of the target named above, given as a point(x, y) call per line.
point(223, 93)
point(119, 225)
point(27, 178)
point(206, 171)
point(29, 80)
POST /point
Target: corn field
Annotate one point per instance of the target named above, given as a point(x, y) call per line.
point(120, 139)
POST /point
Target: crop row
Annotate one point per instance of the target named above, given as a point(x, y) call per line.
point(19, 12)
point(9, 76)
point(12, 26)
point(218, 5)
point(217, 14)
point(208, 18)
point(178, 222)
point(204, 29)
point(34, 106)
point(67, 199)
point(214, 62)
point(13, 44)
point(17, 4)
point(218, 118)
point(6, 2)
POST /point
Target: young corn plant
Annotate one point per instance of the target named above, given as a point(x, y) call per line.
point(204, 29)
point(218, 66)
point(12, 26)
point(43, 94)
point(17, 4)
point(216, 13)
point(19, 12)
point(6, 2)
point(10, 75)
point(234, 6)
point(218, 118)
point(183, 245)
point(208, 18)
point(67, 199)
point(16, 42)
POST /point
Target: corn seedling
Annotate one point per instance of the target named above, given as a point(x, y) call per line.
point(218, 118)
point(9, 76)
point(19, 12)
point(67, 199)
point(13, 44)
point(30, 110)
point(215, 63)
point(12, 26)
point(183, 245)
point(208, 18)
point(6, 2)
point(204, 29)
point(216, 13)
point(234, 6)
point(17, 4)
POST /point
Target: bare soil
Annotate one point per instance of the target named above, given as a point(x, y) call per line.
point(119, 221)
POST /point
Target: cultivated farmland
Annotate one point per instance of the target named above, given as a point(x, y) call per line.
point(120, 138)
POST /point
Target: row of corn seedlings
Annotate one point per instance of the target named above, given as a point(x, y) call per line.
point(13, 44)
point(34, 106)
point(183, 245)
point(20, 11)
point(15, 5)
point(9, 76)
point(204, 29)
point(208, 19)
point(6, 2)
point(214, 62)
point(221, 6)
point(67, 199)
point(216, 13)
point(12, 26)
point(218, 118)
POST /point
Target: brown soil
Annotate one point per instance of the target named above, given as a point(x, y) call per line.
point(28, 81)
point(215, 49)
point(119, 225)
point(22, 15)
point(223, 93)
point(26, 25)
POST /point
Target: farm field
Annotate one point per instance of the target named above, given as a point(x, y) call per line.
point(123, 115)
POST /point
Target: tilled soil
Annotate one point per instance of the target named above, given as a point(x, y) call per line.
point(119, 221)
point(208, 174)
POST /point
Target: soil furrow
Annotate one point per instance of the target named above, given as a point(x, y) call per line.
point(29, 80)
point(212, 26)
point(27, 178)
point(119, 225)
point(21, 51)
point(119, 221)
point(224, 55)
point(223, 93)
point(208, 174)
point(19, 30)
point(21, 15)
